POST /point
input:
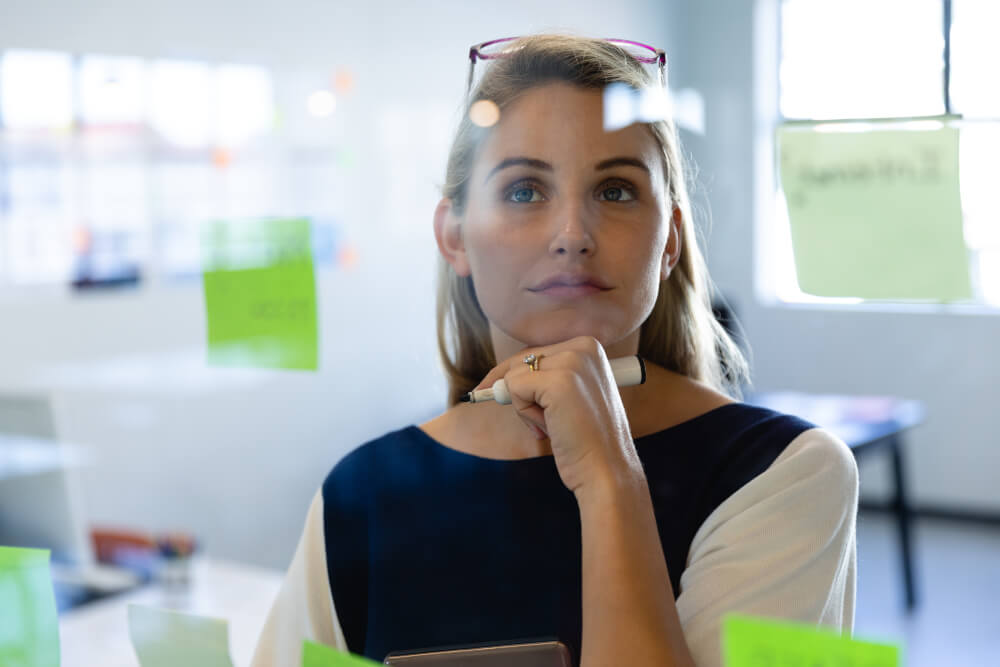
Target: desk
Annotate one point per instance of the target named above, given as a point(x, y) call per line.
point(97, 633)
point(865, 423)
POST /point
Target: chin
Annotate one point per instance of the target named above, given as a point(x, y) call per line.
point(550, 335)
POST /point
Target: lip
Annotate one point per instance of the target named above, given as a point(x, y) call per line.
point(566, 279)
point(570, 291)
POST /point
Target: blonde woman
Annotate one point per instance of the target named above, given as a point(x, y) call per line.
point(624, 521)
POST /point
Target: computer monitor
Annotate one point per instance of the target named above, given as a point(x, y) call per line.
point(41, 503)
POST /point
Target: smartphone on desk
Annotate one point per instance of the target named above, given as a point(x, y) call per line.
point(540, 653)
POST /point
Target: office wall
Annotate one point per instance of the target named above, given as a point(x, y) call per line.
point(949, 361)
point(235, 455)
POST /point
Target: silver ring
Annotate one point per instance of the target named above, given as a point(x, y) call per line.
point(532, 361)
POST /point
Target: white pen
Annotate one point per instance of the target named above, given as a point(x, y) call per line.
point(627, 371)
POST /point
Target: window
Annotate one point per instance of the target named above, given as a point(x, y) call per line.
point(36, 90)
point(896, 59)
point(110, 164)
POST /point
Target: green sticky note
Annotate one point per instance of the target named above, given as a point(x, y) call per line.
point(167, 638)
point(875, 214)
point(749, 641)
point(260, 294)
point(319, 655)
point(29, 625)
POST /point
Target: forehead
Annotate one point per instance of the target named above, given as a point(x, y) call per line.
point(563, 124)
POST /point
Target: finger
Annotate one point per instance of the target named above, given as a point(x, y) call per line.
point(516, 361)
point(534, 419)
point(495, 374)
point(522, 385)
point(504, 367)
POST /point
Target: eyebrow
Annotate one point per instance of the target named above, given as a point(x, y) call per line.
point(518, 161)
point(622, 161)
point(545, 166)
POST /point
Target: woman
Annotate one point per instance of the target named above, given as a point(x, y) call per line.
point(624, 521)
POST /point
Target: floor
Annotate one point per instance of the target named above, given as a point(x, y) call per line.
point(957, 621)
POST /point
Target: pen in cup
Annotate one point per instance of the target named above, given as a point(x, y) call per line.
point(627, 371)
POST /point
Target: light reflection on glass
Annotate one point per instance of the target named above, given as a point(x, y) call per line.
point(36, 90)
point(181, 99)
point(321, 103)
point(111, 90)
point(84, 205)
point(245, 104)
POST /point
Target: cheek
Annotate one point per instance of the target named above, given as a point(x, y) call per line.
point(496, 265)
point(647, 265)
point(494, 246)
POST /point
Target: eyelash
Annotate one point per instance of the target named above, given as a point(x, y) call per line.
point(519, 185)
point(621, 185)
point(607, 185)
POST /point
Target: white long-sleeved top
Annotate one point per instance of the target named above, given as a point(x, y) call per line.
point(782, 545)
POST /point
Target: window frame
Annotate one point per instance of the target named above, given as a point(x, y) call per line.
point(768, 117)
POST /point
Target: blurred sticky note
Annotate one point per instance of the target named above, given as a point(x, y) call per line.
point(749, 641)
point(875, 214)
point(260, 294)
point(319, 655)
point(167, 638)
point(29, 625)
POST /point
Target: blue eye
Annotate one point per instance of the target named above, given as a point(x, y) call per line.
point(616, 193)
point(523, 194)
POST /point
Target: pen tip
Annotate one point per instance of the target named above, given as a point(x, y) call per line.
point(465, 398)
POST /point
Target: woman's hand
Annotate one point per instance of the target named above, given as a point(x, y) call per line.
point(572, 400)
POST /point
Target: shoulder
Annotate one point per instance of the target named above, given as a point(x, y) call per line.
point(676, 399)
point(740, 441)
point(814, 477)
point(752, 423)
point(783, 546)
point(749, 432)
point(724, 449)
point(822, 460)
point(354, 475)
point(815, 463)
point(784, 445)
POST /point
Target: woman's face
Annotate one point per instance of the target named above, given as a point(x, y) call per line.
point(551, 192)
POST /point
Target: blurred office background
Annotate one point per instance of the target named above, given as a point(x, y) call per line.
point(124, 126)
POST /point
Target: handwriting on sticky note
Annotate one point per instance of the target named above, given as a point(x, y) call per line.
point(167, 638)
point(749, 641)
point(318, 655)
point(29, 629)
point(875, 214)
point(260, 294)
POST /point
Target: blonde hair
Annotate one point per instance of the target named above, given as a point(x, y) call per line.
point(681, 333)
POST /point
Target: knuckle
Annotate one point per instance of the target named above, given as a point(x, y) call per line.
point(587, 347)
point(580, 360)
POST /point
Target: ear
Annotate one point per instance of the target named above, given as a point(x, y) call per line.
point(672, 253)
point(448, 232)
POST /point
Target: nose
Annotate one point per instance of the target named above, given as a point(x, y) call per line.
point(572, 235)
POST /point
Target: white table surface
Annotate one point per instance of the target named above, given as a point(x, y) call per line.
point(97, 633)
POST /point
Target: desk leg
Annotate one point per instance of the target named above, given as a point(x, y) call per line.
point(903, 518)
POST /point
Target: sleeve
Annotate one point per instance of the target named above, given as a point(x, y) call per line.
point(782, 546)
point(304, 607)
